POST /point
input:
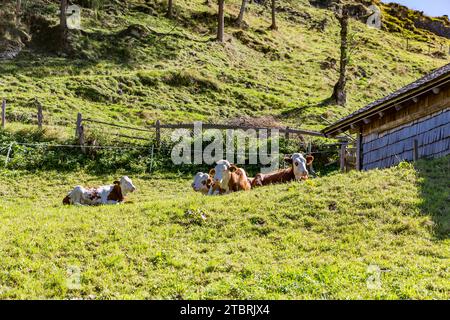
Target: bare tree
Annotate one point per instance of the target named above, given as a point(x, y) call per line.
point(339, 93)
point(274, 26)
point(221, 21)
point(63, 23)
point(240, 18)
point(343, 10)
point(170, 8)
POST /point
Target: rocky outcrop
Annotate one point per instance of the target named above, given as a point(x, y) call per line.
point(396, 17)
point(436, 26)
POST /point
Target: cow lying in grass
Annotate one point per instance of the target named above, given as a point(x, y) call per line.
point(228, 178)
point(202, 183)
point(109, 194)
point(297, 171)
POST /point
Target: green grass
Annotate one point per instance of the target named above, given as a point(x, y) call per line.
point(309, 240)
point(256, 73)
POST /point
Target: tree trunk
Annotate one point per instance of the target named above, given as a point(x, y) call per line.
point(240, 18)
point(274, 11)
point(221, 22)
point(339, 94)
point(63, 24)
point(170, 9)
point(18, 9)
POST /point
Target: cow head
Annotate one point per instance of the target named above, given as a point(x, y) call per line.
point(222, 172)
point(299, 165)
point(126, 185)
point(202, 182)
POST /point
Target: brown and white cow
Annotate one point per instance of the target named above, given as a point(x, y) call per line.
point(202, 182)
point(228, 178)
point(297, 171)
point(109, 194)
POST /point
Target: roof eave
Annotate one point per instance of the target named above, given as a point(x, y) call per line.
point(345, 124)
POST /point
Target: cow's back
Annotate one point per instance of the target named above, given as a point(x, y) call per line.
point(280, 176)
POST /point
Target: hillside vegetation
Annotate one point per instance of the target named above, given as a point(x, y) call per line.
point(131, 64)
point(322, 238)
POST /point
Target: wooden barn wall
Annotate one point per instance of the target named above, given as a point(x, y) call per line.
point(426, 104)
point(381, 150)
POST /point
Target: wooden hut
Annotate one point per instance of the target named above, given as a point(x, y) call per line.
point(411, 123)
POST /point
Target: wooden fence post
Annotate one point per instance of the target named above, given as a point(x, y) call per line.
point(81, 139)
point(3, 113)
point(40, 116)
point(342, 156)
point(79, 132)
point(415, 150)
point(158, 133)
point(79, 121)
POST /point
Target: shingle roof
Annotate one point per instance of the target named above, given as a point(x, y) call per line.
point(430, 77)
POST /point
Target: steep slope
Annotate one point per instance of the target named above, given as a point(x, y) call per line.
point(136, 66)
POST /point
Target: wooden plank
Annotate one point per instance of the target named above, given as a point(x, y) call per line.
point(342, 156)
point(115, 125)
point(415, 150)
point(358, 151)
point(415, 115)
point(129, 137)
point(3, 114)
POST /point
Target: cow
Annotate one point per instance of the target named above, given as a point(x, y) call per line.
point(109, 194)
point(297, 171)
point(202, 182)
point(228, 178)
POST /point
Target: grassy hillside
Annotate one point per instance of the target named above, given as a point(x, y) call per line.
point(317, 239)
point(136, 66)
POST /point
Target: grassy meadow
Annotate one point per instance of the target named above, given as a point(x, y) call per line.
point(312, 240)
point(133, 65)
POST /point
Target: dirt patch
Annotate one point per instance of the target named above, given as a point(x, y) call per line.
point(261, 122)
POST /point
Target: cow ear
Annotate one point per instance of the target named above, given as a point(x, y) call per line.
point(233, 168)
point(116, 182)
point(212, 172)
point(288, 160)
point(309, 159)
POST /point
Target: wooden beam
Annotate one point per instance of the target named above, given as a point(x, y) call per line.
point(3, 113)
point(415, 150)
point(342, 155)
point(441, 105)
point(358, 151)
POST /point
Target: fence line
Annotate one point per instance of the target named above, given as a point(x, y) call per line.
point(79, 131)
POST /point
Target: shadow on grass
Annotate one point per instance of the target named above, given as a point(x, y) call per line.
point(434, 187)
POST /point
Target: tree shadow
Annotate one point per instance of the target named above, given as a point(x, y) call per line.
point(298, 110)
point(434, 188)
